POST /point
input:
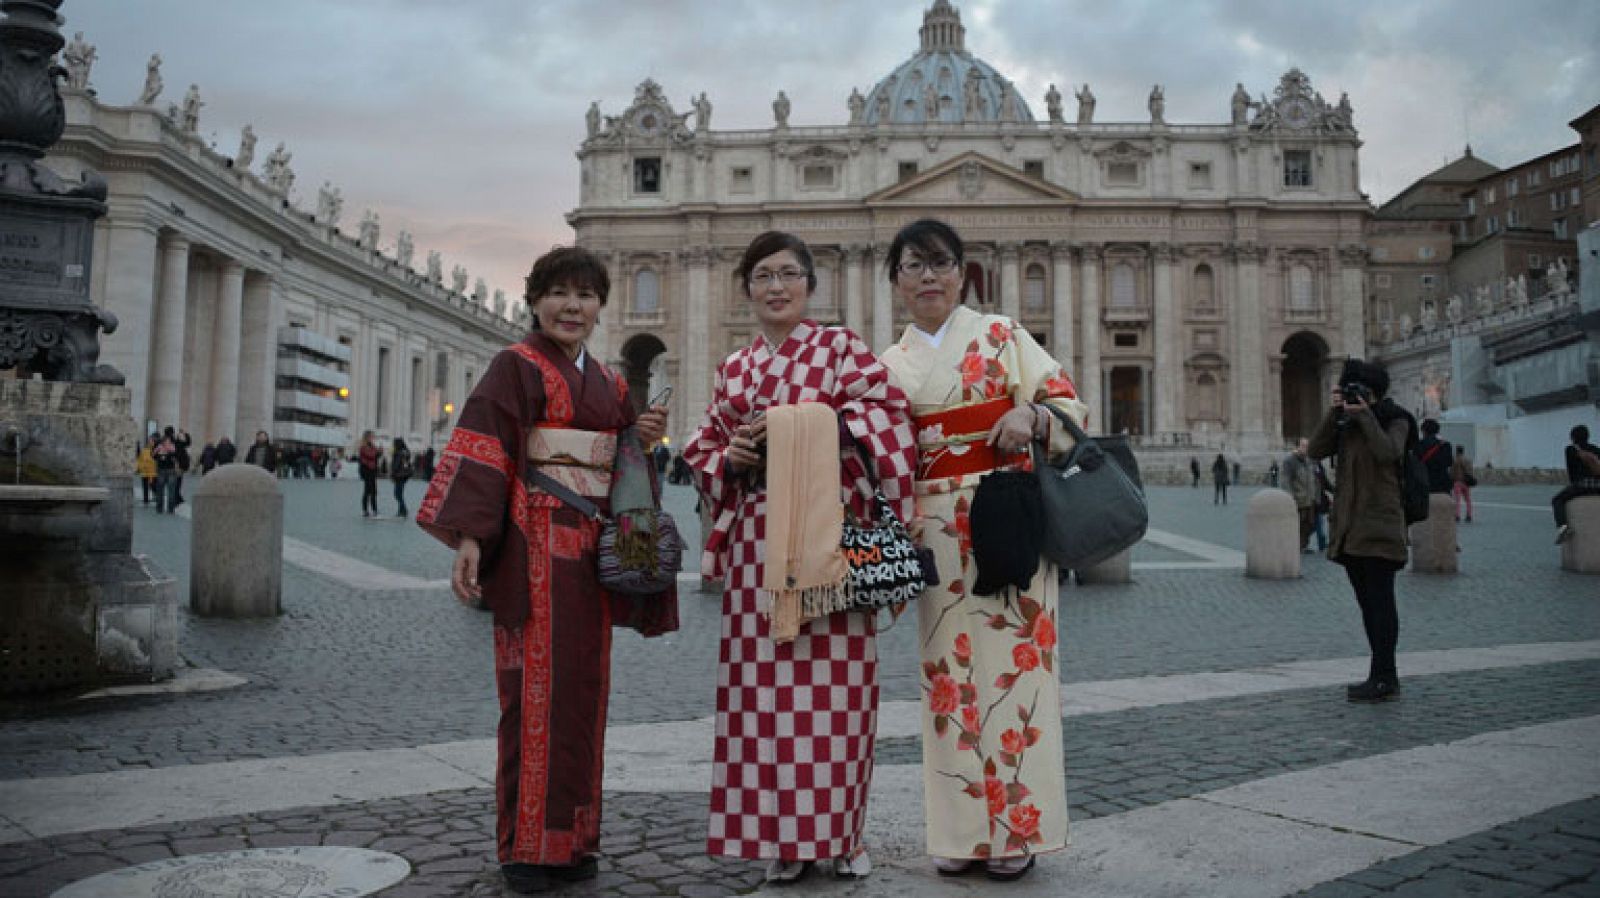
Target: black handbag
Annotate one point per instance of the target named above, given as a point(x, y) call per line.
point(1093, 507)
point(886, 567)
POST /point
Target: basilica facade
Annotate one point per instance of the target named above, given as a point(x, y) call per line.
point(1201, 282)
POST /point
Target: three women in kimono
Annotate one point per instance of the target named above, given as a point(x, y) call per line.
point(993, 767)
point(544, 406)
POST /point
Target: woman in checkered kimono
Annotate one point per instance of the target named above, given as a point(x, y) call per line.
point(795, 720)
point(994, 777)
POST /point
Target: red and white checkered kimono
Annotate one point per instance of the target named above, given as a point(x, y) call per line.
point(796, 721)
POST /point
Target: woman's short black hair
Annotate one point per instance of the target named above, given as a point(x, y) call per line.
point(1430, 426)
point(1371, 375)
point(1579, 434)
point(928, 236)
point(768, 243)
point(570, 266)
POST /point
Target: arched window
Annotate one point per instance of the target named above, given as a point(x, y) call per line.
point(822, 297)
point(646, 291)
point(1204, 288)
point(1207, 401)
point(1300, 295)
point(1123, 287)
point(1033, 288)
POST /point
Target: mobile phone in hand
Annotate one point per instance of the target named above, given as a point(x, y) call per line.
point(662, 397)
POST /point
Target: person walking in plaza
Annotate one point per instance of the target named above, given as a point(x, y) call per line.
point(1324, 503)
point(226, 452)
point(994, 781)
point(1366, 434)
point(1301, 483)
point(367, 464)
point(261, 454)
point(181, 441)
point(424, 464)
point(208, 458)
point(797, 697)
point(1434, 454)
point(1462, 481)
point(400, 471)
point(1194, 472)
point(545, 406)
point(145, 466)
point(166, 459)
point(1583, 477)
point(1219, 480)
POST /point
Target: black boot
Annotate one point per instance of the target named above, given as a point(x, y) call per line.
point(1382, 689)
point(525, 879)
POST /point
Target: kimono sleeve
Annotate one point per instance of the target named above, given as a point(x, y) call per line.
point(878, 414)
point(1038, 378)
point(706, 454)
point(473, 479)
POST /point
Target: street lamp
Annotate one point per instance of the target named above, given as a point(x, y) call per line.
point(441, 422)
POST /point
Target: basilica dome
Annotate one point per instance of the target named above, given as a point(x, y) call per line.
point(943, 82)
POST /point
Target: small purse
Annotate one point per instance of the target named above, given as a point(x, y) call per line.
point(1093, 507)
point(886, 567)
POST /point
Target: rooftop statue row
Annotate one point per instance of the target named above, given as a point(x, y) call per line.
point(1486, 300)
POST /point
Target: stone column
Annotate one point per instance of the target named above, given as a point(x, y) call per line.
point(1352, 317)
point(166, 352)
point(258, 357)
point(699, 366)
point(1168, 381)
point(223, 418)
point(1090, 379)
point(855, 317)
point(130, 294)
point(1061, 309)
point(1249, 361)
point(882, 303)
point(1011, 281)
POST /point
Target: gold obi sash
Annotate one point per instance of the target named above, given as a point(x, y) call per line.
point(950, 443)
point(580, 460)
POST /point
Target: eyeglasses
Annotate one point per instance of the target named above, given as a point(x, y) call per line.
point(789, 277)
point(915, 267)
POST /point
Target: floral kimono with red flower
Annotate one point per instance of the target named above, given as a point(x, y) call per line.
point(994, 775)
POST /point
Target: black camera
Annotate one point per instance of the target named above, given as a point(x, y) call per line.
point(1354, 392)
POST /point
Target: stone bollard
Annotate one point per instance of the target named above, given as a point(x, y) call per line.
point(1433, 542)
point(1272, 536)
point(1116, 569)
point(236, 544)
point(1580, 552)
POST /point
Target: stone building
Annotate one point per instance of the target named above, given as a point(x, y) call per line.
point(1200, 281)
point(1588, 128)
point(240, 312)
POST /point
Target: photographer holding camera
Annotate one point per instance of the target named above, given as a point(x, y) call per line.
point(1367, 434)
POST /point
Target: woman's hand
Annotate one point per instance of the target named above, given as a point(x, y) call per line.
point(745, 449)
point(651, 425)
point(464, 573)
point(1014, 431)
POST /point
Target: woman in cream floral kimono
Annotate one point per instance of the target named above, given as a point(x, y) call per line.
point(993, 770)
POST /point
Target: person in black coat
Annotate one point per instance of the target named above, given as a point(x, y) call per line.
point(1219, 480)
point(1435, 455)
point(226, 451)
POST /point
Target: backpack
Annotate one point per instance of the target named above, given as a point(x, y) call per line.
point(402, 465)
point(1413, 488)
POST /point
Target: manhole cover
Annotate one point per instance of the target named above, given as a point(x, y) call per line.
point(258, 873)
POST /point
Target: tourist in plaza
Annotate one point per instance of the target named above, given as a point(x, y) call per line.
point(367, 464)
point(208, 458)
point(1301, 482)
point(145, 466)
point(424, 463)
point(1324, 503)
point(165, 454)
point(1219, 480)
point(181, 441)
point(1583, 477)
point(1194, 472)
point(796, 699)
point(226, 452)
point(547, 405)
point(994, 781)
point(1462, 481)
point(336, 464)
point(1435, 456)
point(400, 474)
point(261, 453)
point(1366, 436)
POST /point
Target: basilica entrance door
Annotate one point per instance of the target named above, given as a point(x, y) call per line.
point(1127, 401)
point(640, 368)
point(1305, 355)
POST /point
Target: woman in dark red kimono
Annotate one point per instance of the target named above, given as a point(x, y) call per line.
point(544, 403)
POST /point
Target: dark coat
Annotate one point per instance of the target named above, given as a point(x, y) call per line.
point(1439, 455)
point(1367, 518)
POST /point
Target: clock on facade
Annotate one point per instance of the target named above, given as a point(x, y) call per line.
point(1297, 112)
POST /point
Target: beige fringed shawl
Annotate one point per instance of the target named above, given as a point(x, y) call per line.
point(806, 574)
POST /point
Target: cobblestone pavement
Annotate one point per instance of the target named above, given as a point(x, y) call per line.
point(352, 669)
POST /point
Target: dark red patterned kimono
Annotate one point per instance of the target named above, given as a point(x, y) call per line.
point(552, 635)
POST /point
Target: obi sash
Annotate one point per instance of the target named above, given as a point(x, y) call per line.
point(580, 460)
point(951, 442)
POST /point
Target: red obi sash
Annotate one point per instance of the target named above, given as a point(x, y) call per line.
point(951, 442)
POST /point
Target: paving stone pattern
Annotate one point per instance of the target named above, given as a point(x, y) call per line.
point(1554, 853)
point(653, 844)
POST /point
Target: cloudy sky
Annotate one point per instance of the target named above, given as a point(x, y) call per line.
point(458, 119)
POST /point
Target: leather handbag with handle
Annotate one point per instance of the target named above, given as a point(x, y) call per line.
point(1094, 508)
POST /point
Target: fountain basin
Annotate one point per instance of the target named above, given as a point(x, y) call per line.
point(29, 497)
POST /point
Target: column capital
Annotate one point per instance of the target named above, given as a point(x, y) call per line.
point(1246, 252)
point(1092, 252)
point(232, 268)
point(173, 242)
point(1010, 251)
point(1062, 250)
point(1163, 252)
point(1352, 254)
